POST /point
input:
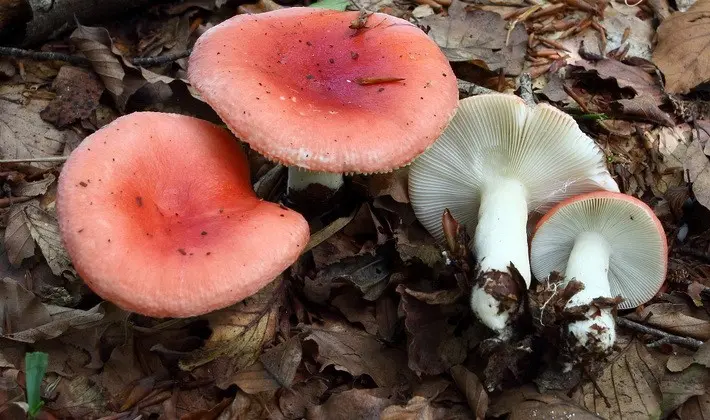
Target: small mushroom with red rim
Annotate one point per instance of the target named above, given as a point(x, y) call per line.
point(612, 243)
point(310, 89)
point(158, 216)
point(497, 161)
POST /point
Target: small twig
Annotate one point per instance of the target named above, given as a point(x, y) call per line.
point(664, 336)
point(552, 44)
point(596, 386)
point(42, 55)
point(39, 159)
point(161, 59)
point(79, 60)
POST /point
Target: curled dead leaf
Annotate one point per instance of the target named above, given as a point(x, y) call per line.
point(27, 224)
point(469, 384)
point(362, 404)
point(240, 331)
point(631, 385)
point(480, 36)
point(678, 35)
point(357, 353)
point(283, 360)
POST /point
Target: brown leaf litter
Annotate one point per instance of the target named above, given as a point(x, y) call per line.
point(373, 321)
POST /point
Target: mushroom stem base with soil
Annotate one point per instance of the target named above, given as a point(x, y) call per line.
point(499, 241)
point(312, 189)
point(299, 179)
point(588, 263)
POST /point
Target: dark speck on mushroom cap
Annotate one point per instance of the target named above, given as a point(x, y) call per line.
point(310, 67)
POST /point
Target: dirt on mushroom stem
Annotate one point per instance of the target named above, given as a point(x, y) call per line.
point(508, 290)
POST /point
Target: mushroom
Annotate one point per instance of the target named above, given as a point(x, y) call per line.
point(497, 161)
point(326, 92)
point(158, 216)
point(613, 244)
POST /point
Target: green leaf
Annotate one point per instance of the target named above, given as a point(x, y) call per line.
point(331, 4)
point(35, 368)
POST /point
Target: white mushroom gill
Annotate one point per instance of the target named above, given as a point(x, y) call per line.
point(614, 245)
point(497, 161)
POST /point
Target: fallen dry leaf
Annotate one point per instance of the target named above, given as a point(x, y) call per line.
point(683, 49)
point(361, 404)
point(696, 408)
point(26, 319)
point(479, 36)
point(677, 388)
point(671, 318)
point(78, 397)
point(414, 243)
point(33, 188)
point(526, 402)
point(283, 360)
point(471, 387)
point(433, 346)
point(242, 407)
point(27, 224)
point(23, 134)
point(366, 272)
point(357, 353)
point(697, 166)
point(240, 331)
point(626, 76)
point(356, 310)
point(632, 384)
point(296, 401)
point(643, 108)
point(551, 408)
point(78, 93)
point(420, 408)
point(393, 184)
point(252, 380)
point(95, 44)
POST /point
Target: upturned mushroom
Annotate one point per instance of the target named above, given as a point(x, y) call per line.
point(613, 244)
point(326, 93)
point(497, 161)
point(158, 216)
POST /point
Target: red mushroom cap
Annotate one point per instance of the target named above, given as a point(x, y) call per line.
point(303, 88)
point(158, 215)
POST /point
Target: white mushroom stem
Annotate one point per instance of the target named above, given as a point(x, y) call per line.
point(500, 239)
point(589, 264)
point(299, 179)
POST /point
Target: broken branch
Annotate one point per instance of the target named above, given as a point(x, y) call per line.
point(664, 336)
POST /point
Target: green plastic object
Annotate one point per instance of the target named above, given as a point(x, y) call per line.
point(35, 368)
point(331, 4)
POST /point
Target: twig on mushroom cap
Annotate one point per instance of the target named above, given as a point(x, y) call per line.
point(665, 338)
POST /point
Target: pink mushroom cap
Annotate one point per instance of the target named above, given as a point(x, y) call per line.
point(303, 88)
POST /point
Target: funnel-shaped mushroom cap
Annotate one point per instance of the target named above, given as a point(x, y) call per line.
point(495, 137)
point(303, 88)
point(158, 216)
point(633, 233)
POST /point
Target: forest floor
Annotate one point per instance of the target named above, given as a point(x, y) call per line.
point(370, 322)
